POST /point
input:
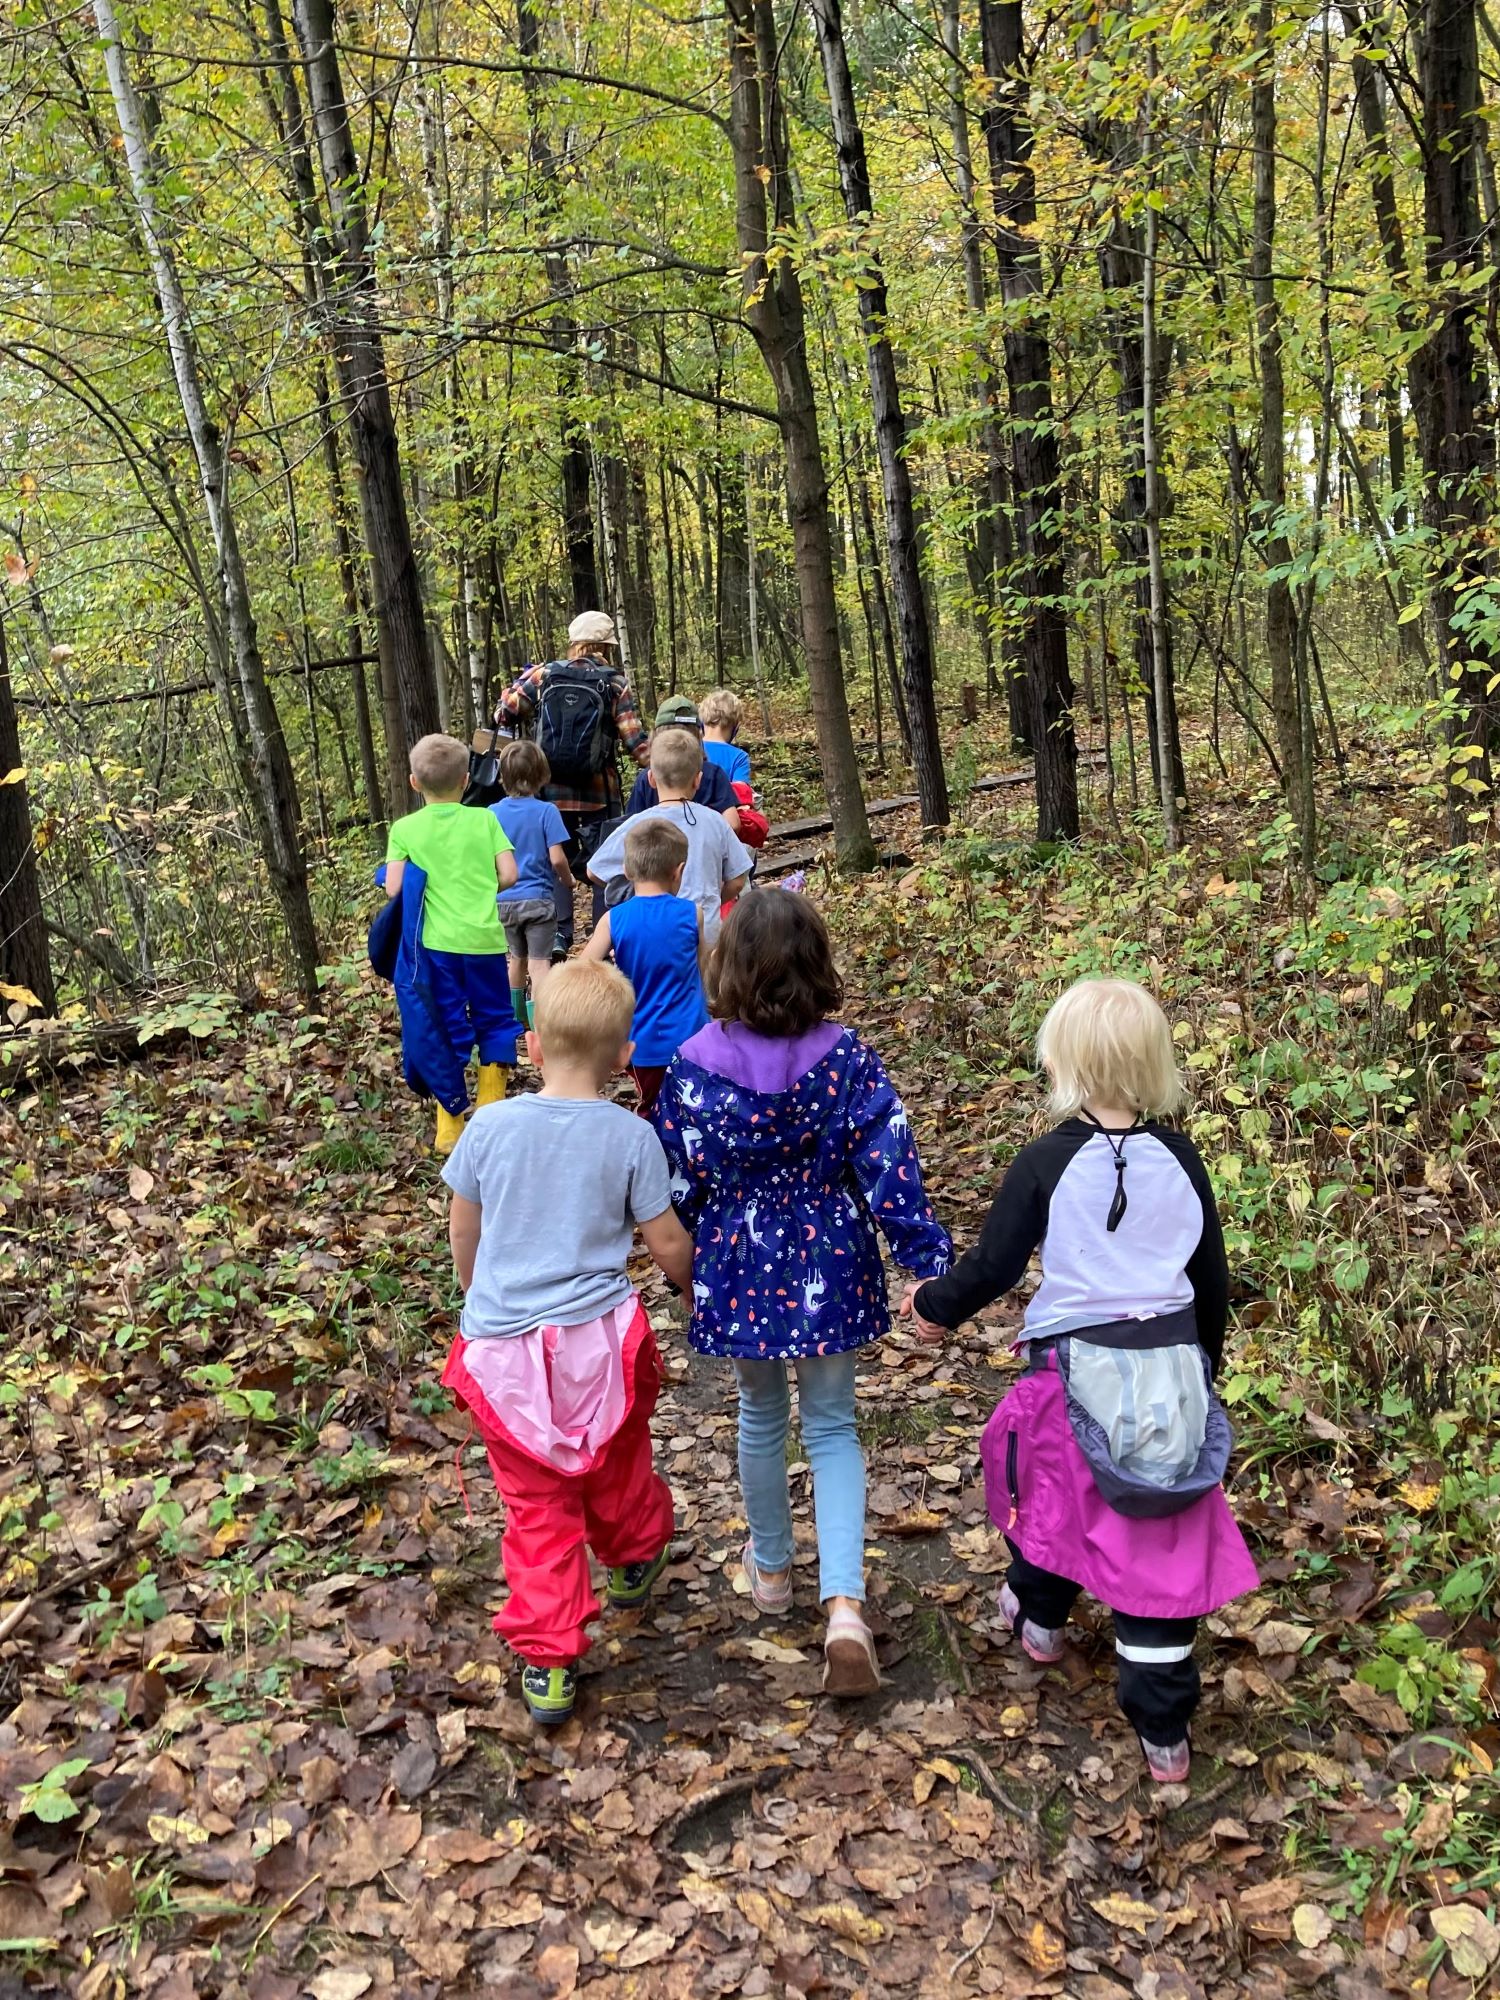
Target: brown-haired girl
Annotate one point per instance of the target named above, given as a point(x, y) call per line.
point(788, 1145)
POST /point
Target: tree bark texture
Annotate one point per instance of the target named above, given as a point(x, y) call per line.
point(1028, 368)
point(577, 510)
point(908, 586)
point(359, 357)
point(1279, 637)
point(273, 788)
point(24, 960)
point(1448, 385)
point(774, 312)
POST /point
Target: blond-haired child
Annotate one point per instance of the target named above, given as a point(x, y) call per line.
point(719, 713)
point(1103, 1464)
point(467, 860)
point(718, 866)
point(555, 1357)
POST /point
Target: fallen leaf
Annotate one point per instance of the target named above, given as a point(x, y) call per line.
point(340, 1982)
point(556, 1971)
point(1277, 1635)
point(362, 1848)
point(1125, 1912)
point(845, 1921)
point(1311, 1925)
point(1472, 1938)
point(645, 1949)
point(1378, 1710)
point(141, 1184)
point(168, 1830)
point(1434, 1827)
point(1043, 1950)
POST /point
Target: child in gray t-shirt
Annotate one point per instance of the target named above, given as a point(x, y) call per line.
point(556, 1358)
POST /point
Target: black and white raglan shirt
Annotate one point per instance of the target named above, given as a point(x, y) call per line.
point(1165, 1251)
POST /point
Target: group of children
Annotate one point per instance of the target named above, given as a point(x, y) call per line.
point(486, 881)
point(769, 1155)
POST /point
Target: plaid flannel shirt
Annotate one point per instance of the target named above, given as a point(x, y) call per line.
point(518, 704)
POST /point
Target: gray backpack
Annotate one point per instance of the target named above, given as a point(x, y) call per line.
point(1140, 1399)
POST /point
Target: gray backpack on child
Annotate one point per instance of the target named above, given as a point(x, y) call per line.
point(1140, 1399)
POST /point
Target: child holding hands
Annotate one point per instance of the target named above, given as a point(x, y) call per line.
point(1103, 1464)
point(788, 1146)
point(556, 1359)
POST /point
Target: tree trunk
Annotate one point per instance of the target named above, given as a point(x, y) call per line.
point(1448, 392)
point(23, 930)
point(1028, 368)
point(1120, 255)
point(1280, 643)
point(359, 355)
point(907, 583)
point(1161, 658)
point(577, 510)
point(773, 306)
point(274, 789)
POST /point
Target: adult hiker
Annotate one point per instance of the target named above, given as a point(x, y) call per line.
point(581, 711)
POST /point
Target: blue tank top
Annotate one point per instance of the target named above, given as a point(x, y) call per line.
point(656, 947)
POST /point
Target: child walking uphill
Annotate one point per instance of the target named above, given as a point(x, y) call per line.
point(555, 1358)
point(1103, 1464)
point(534, 827)
point(466, 860)
point(657, 940)
point(717, 865)
point(788, 1145)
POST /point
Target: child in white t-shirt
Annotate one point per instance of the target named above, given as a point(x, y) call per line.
point(718, 865)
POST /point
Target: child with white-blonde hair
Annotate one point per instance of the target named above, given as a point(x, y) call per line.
point(1103, 1466)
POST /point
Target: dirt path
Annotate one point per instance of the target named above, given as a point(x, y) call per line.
point(291, 1762)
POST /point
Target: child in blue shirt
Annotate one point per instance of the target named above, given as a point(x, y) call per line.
point(535, 829)
point(719, 713)
point(657, 939)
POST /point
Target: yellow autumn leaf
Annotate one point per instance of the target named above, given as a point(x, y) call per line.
point(1126, 1913)
point(845, 1921)
point(175, 1830)
point(15, 776)
point(1473, 1940)
point(22, 995)
point(1419, 1495)
point(1311, 1925)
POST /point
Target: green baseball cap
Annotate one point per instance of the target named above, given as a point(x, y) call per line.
point(677, 712)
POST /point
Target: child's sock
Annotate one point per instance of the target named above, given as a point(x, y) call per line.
point(491, 1084)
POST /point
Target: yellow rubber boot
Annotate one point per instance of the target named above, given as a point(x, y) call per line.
point(450, 1125)
point(491, 1084)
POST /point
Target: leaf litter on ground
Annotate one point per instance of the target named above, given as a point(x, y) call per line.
point(259, 1739)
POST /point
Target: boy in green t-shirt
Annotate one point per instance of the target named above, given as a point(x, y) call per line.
point(467, 859)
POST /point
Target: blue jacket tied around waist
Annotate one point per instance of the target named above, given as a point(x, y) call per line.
point(430, 1063)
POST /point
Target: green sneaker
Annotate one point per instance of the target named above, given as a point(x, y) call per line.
point(548, 1692)
point(630, 1583)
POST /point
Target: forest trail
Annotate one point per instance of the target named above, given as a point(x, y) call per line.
point(292, 1756)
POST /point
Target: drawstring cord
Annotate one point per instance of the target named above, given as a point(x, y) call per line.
point(1120, 1203)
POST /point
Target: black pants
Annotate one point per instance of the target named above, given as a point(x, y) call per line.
point(586, 831)
point(1159, 1687)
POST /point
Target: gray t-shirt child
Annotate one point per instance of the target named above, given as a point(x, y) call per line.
point(715, 856)
point(563, 1182)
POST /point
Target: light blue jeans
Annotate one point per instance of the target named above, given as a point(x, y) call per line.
point(825, 1401)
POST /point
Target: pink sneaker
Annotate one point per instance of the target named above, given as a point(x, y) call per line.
point(1168, 1763)
point(1042, 1643)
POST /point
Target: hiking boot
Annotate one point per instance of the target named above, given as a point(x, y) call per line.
point(1042, 1643)
point(450, 1125)
point(548, 1692)
point(1168, 1763)
point(630, 1583)
point(491, 1084)
point(560, 954)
